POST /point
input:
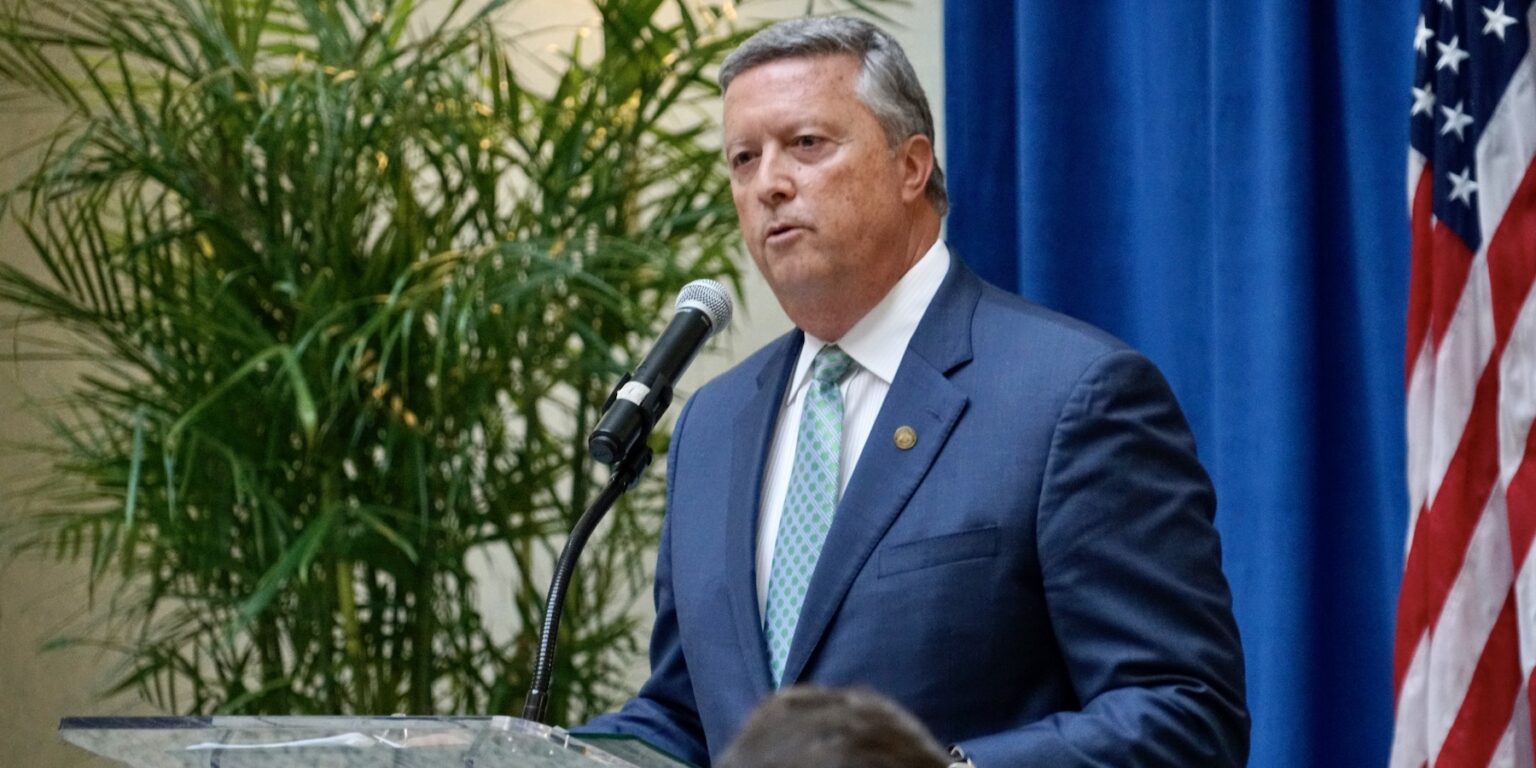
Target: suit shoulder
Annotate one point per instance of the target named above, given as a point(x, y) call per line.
point(1022, 346)
point(1017, 326)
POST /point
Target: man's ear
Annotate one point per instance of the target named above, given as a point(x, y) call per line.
point(916, 158)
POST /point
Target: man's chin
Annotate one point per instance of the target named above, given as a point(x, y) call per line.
point(815, 308)
point(798, 282)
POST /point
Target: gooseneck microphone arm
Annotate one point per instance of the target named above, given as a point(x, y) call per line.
point(624, 475)
point(620, 441)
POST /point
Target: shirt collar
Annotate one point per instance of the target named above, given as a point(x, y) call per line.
point(878, 341)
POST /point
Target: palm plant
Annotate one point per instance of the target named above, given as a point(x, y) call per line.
point(351, 291)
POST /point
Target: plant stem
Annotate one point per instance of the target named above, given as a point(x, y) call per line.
point(425, 618)
point(348, 604)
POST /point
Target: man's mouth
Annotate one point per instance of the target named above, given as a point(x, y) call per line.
point(782, 231)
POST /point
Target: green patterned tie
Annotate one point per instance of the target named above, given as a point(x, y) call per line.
point(808, 505)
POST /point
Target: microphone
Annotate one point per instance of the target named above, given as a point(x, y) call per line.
point(703, 310)
point(637, 403)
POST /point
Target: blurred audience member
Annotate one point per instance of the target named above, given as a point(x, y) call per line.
point(810, 727)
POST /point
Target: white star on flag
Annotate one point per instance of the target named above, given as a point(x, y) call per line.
point(1498, 21)
point(1451, 55)
point(1423, 100)
point(1462, 186)
point(1423, 35)
point(1449, 4)
point(1455, 120)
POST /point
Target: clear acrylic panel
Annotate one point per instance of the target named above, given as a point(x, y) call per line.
point(349, 742)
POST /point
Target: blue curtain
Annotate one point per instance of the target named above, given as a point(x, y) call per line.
point(1222, 184)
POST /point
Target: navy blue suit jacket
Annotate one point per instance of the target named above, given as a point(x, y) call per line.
point(1037, 579)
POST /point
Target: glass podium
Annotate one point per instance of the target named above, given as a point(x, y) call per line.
point(353, 742)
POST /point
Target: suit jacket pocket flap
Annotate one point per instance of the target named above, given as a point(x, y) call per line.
point(938, 550)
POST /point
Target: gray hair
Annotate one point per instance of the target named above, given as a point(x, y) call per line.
point(887, 84)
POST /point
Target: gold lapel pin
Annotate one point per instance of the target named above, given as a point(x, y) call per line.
point(906, 437)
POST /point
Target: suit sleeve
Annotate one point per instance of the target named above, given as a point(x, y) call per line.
point(663, 712)
point(1131, 567)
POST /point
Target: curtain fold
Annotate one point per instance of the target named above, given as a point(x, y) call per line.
point(1222, 185)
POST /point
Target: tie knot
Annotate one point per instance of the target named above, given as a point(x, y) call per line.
point(831, 365)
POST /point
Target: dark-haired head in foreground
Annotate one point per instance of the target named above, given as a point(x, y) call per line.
point(833, 728)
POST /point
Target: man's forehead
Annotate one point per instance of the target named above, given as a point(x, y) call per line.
point(800, 66)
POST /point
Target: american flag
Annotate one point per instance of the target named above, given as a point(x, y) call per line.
point(1466, 615)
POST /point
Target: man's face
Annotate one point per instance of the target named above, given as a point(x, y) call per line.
point(819, 192)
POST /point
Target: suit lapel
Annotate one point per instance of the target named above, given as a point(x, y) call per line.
point(756, 418)
point(920, 397)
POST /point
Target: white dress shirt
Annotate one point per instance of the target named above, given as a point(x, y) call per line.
point(877, 342)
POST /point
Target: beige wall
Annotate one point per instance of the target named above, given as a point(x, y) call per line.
point(38, 598)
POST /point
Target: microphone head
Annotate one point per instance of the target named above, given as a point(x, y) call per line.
point(710, 298)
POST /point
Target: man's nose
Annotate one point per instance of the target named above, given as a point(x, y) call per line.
point(775, 181)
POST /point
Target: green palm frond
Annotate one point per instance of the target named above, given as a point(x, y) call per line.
point(353, 294)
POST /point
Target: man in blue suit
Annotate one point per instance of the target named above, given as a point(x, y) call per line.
point(989, 512)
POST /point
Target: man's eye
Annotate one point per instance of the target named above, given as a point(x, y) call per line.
point(807, 142)
point(741, 158)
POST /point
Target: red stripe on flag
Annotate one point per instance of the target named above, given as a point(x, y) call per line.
point(1511, 272)
point(1425, 585)
point(1419, 284)
point(1530, 698)
point(1512, 256)
point(1449, 265)
point(1521, 498)
point(1490, 699)
point(1442, 533)
point(1412, 620)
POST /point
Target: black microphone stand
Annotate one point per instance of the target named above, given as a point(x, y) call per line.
point(625, 473)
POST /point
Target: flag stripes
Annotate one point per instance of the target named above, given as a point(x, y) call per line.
point(1465, 650)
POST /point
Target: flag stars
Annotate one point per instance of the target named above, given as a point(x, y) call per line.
point(1423, 101)
point(1456, 120)
point(1451, 55)
point(1450, 5)
point(1498, 21)
point(1462, 186)
point(1423, 35)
